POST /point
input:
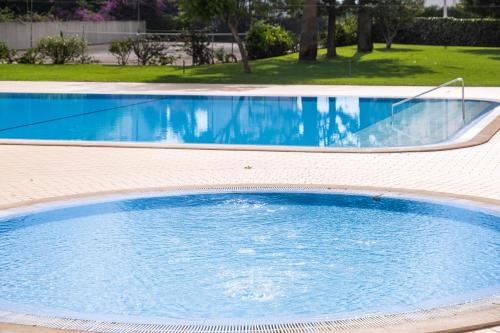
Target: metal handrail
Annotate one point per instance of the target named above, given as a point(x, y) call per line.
point(428, 91)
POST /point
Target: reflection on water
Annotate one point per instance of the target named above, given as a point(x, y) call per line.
point(293, 121)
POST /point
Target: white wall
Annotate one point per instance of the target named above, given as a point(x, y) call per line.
point(440, 2)
point(20, 35)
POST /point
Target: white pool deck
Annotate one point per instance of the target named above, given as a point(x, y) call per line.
point(241, 89)
point(33, 174)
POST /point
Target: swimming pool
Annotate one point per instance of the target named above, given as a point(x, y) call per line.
point(253, 257)
point(238, 120)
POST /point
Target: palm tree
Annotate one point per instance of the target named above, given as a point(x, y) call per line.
point(331, 50)
point(365, 43)
point(309, 36)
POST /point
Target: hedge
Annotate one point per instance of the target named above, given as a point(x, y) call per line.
point(265, 40)
point(450, 31)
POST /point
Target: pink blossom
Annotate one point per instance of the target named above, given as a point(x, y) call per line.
point(83, 14)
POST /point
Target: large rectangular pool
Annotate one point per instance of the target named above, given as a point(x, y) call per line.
point(236, 120)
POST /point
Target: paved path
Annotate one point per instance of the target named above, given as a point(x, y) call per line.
point(30, 173)
point(488, 330)
point(33, 173)
point(489, 93)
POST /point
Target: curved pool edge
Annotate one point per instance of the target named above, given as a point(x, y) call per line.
point(454, 318)
point(474, 202)
point(488, 129)
point(458, 317)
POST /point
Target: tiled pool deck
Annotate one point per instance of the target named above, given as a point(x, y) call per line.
point(30, 174)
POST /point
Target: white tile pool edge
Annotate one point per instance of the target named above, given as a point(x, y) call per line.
point(93, 198)
point(484, 93)
point(470, 131)
point(487, 307)
point(484, 308)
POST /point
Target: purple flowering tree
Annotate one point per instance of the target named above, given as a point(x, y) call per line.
point(102, 10)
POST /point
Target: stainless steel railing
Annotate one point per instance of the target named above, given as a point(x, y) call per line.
point(428, 91)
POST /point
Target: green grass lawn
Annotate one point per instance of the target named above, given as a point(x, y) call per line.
point(402, 65)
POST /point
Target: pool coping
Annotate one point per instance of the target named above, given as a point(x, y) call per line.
point(461, 317)
point(417, 194)
point(455, 318)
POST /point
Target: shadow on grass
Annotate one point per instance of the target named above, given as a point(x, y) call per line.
point(359, 55)
point(395, 49)
point(282, 71)
point(490, 53)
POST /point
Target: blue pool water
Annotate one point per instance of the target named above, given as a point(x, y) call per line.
point(287, 121)
point(248, 256)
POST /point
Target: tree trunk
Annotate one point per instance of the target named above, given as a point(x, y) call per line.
point(241, 46)
point(365, 43)
point(389, 37)
point(309, 35)
point(331, 50)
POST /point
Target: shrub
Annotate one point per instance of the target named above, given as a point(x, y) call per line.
point(61, 50)
point(122, 49)
point(4, 52)
point(346, 31)
point(222, 56)
point(453, 11)
point(230, 57)
point(165, 59)
point(148, 50)
point(265, 40)
point(484, 8)
point(450, 31)
point(86, 59)
point(6, 15)
point(30, 56)
point(197, 45)
point(6, 55)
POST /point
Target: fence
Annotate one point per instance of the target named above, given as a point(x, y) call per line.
point(172, 40)
point(22, 35)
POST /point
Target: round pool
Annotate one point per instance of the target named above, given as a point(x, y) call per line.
point(247, 256)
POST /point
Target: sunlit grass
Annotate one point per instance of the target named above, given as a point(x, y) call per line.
point(402, 65)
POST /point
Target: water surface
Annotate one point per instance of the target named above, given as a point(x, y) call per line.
point(248, 256)
point(283, 121)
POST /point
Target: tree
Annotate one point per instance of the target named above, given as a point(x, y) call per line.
point(393, 15)
point(331, 8)
point(484, 8)
point(268, 10)
point(365, 43)
point(228, 11)
point(197, 45)
point(309, 36)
